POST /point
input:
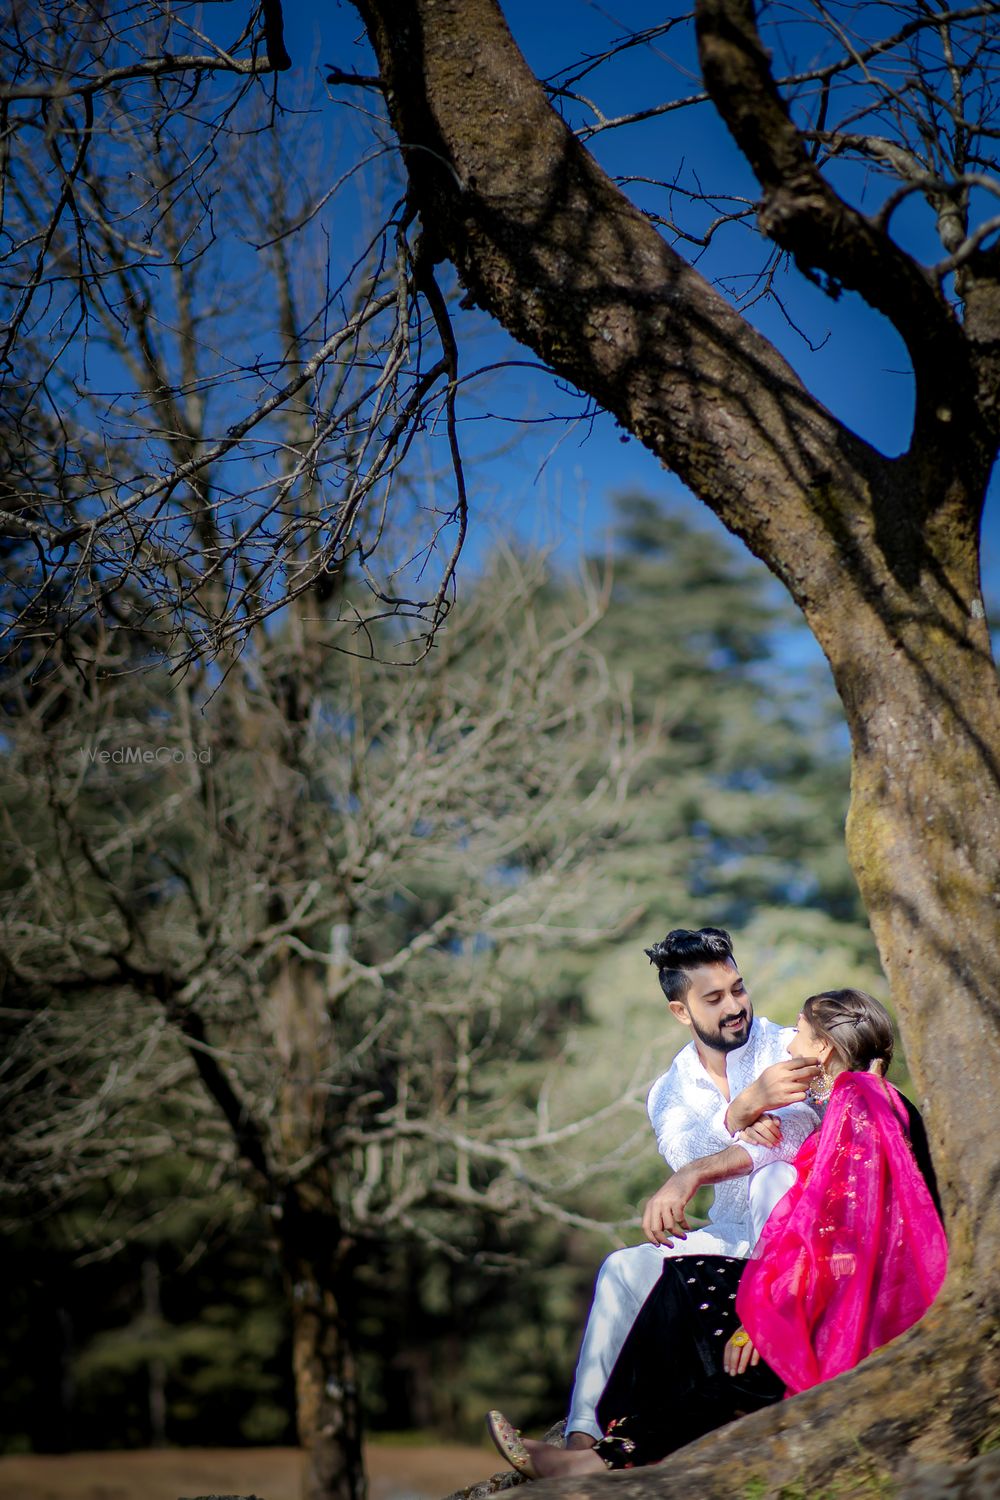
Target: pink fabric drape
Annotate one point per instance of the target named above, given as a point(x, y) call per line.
point(855, 1252)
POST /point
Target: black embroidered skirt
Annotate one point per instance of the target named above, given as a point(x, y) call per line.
point(668, 1385)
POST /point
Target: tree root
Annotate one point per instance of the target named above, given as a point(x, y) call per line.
point(919, 1420)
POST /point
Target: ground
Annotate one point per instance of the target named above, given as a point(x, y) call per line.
point(416, 1473)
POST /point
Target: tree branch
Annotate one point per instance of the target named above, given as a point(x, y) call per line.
point(803, 214)
point(546, 241)
point(150, 67)
point(246, 1131)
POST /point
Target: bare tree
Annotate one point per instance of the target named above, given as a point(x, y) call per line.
point(134, 450)
point(293, 943)
point(266, 915)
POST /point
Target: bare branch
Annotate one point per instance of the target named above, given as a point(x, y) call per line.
point(154, 67)
point(805, 216)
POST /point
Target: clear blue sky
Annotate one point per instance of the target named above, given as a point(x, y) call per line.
point(554, 481)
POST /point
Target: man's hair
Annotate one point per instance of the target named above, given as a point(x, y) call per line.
point(681, 950)
point(859, 1027)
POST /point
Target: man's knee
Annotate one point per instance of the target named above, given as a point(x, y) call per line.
point(767, 1186)
point(633, 1269)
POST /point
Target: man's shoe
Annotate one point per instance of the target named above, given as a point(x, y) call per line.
point(509, 1444)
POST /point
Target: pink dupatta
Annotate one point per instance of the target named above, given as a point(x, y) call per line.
point(854, 1253)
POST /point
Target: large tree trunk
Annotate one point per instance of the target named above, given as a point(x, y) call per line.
point(923, 704)
point(880, 554)
point(883, 1429)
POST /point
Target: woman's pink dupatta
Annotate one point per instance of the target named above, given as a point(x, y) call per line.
point(855, 1252)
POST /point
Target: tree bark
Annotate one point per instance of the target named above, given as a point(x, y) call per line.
point(315, 1250)
point(324, 1356)
point(923, 837)
point(880, 554)
point(156, 1369)
point(875, 1431)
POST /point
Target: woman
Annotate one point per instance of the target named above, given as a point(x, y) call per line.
point(849, 1258)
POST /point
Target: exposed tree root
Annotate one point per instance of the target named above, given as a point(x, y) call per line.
point(919, 1421)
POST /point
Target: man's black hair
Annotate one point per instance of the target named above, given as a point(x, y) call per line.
point(683, 949)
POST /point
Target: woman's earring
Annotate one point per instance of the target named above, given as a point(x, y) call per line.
point(821, 1087)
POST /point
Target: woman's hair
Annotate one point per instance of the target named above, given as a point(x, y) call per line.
point(683, 949)
point(859, 1027)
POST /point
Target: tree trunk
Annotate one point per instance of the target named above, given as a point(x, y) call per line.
point(872, 1432)
point(156, 1369)
point(324, 1356)
point(315, 1249)
point(923, 704)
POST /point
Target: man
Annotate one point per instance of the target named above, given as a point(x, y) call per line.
point(713, 1113)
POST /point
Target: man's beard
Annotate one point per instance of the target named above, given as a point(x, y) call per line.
point(725, 1041)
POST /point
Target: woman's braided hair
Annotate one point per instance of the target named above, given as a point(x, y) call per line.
point(859, 1027)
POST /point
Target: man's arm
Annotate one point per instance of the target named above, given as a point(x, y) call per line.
point(781, 1084)
point(693, 1143)
point(687, 1125)
point(687, 1133)
point(664, 1219)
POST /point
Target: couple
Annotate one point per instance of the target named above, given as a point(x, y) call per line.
point(685, 1333)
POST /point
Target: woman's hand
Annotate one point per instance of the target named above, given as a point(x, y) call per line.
point(739, 1354)
point(763, 1132)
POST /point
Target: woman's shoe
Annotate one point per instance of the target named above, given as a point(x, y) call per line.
point(509, 1445)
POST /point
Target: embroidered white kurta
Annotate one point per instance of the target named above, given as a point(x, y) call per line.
point(688, 1113)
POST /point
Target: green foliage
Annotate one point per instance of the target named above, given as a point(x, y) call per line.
point(741, 798)
point(179, 1336)
point(734, 817)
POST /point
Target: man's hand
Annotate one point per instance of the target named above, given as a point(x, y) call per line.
point(663, 1220)
point(780, 1084)
point(786, 1082)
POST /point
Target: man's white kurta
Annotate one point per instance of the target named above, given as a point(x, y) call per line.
point(687, 1113)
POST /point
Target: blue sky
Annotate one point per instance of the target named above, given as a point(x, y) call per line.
point(553, 483)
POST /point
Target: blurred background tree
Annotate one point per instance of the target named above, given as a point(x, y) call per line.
point(267, 983)
point(375, 937)
point(277, 930)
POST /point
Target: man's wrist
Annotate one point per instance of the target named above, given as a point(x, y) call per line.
point(690, 1176)
point(742, 1111)
point(731, 1161)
